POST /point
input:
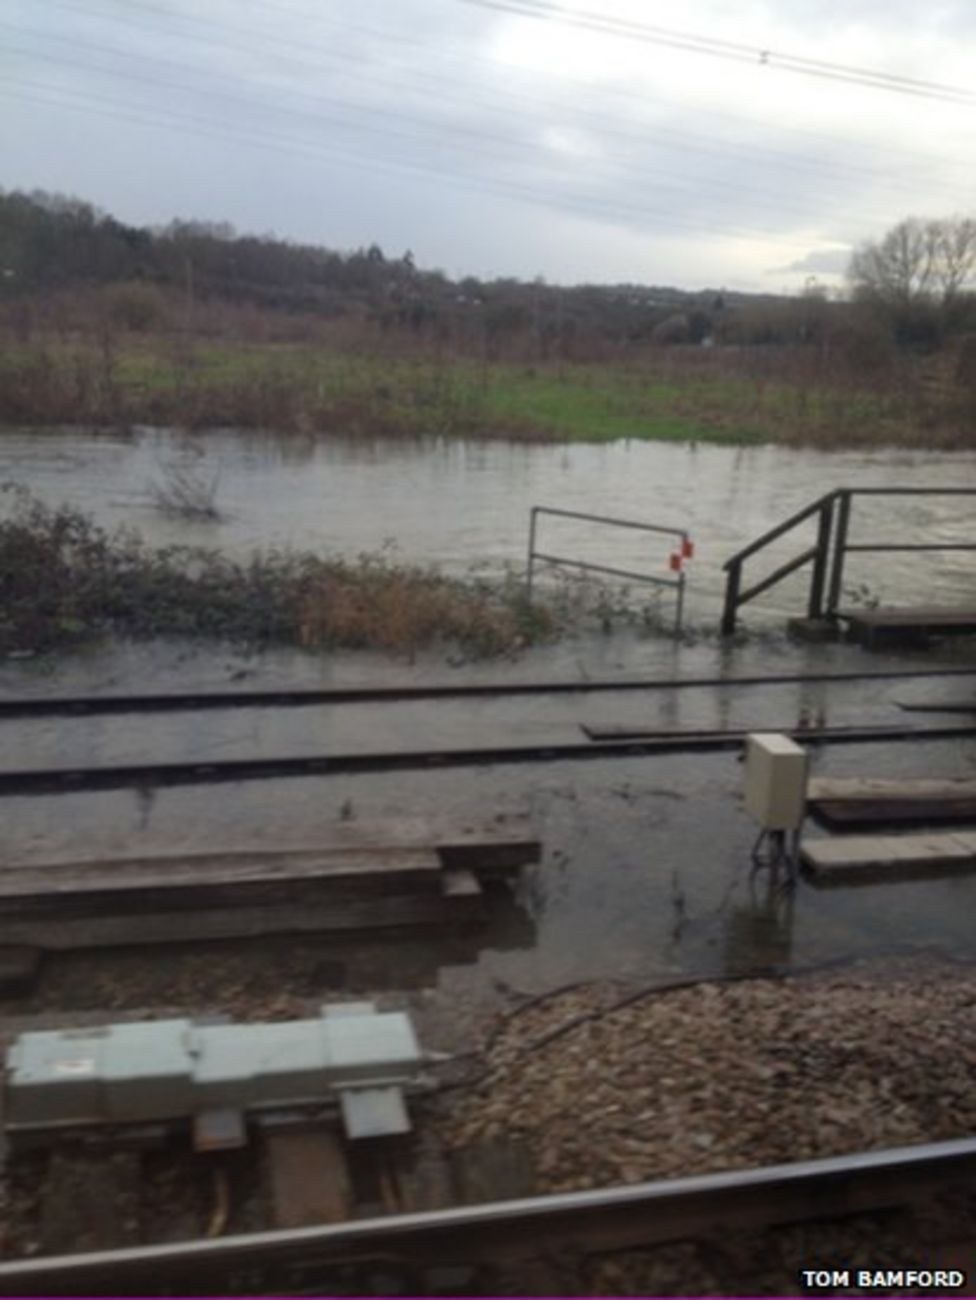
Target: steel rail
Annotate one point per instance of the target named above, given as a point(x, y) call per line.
point(91, 705)
point(947, 706)
point(62, 780)
point(617, 1218)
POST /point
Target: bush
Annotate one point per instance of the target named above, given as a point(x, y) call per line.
point(63, 580)
point(673, 330)
point(137, 307)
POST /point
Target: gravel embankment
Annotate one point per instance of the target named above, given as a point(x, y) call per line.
point(726, 1076)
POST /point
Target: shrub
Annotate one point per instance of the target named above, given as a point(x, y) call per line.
point(135, 306)
point(63, 579)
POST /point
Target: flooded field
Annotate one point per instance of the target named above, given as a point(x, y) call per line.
point(466, 505)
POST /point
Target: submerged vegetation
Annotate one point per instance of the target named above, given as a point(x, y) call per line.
point(186, 494)
point(64, 580)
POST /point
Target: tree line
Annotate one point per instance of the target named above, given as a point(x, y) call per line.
point(914, 286)
point(51, 242)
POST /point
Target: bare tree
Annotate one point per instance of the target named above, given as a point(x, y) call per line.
point(957, 256)
point(917, 262)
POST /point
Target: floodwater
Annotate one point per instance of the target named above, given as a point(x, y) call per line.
point(646, 870)
point(464, 504)
point(646, 865)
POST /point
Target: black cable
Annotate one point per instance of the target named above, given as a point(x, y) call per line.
point(388, 126)
point(570, 203)
point(870, 78)
point(701, 184)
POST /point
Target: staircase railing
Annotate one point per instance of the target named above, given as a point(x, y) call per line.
point(828, 553)
point(676, 560)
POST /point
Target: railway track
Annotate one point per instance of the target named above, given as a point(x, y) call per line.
point(120, 776)
point(592, 1222)
point(96, 705)
point(616, 743)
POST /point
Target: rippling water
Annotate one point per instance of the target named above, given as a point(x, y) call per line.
point(460, 504)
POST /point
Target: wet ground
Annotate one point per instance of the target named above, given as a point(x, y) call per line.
point(646, 865)
point(644, 880)
point(645, 876)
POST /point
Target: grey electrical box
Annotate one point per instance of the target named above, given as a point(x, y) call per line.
point(125, 1073)
point(373, 1112)
point(776, 782)
point(174, 1069)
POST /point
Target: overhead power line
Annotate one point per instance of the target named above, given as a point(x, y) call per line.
point(440, 140)
point(875, 79)
point(633, 96)
point(652, 140)
point(398, 124)
point(224, 35)
point(643, 145)
point(570, 204)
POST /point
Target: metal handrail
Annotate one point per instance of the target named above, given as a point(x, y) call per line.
point(829, 552)
point(606, 519)
point(561, 561)
point(774, 533)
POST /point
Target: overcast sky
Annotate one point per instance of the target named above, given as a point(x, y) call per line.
point(491, 143)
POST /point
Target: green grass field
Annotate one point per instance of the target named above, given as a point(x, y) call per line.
point(148, 380)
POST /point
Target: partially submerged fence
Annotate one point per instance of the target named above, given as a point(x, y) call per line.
point(827, 554)
point(676, 559)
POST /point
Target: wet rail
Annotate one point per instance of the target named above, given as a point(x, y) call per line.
point(93, 705)
point(614, 1219)
point(148, 775)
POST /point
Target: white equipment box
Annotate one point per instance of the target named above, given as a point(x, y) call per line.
point(776, 782)
point(166, 1070)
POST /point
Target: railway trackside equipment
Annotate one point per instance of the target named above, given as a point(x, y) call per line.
point(171, 1071)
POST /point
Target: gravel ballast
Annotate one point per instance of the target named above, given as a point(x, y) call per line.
point(605, 1090)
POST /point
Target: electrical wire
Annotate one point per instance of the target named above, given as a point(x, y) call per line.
point(390, 125)
point(629, 96)
point(702, 185)
point(645, 33)
point(571, 204)
point(304, 47)
point(642, 139)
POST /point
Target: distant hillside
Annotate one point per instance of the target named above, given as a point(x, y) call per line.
point(51, 242)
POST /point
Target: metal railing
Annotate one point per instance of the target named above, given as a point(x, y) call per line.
point(677, 583)
point(827, 554)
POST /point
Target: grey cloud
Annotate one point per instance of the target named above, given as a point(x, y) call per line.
point(363, 120)
point(829, 260)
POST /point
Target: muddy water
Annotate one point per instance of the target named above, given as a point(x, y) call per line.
point(467, 504)
point(646, 869)
point(645, 874)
